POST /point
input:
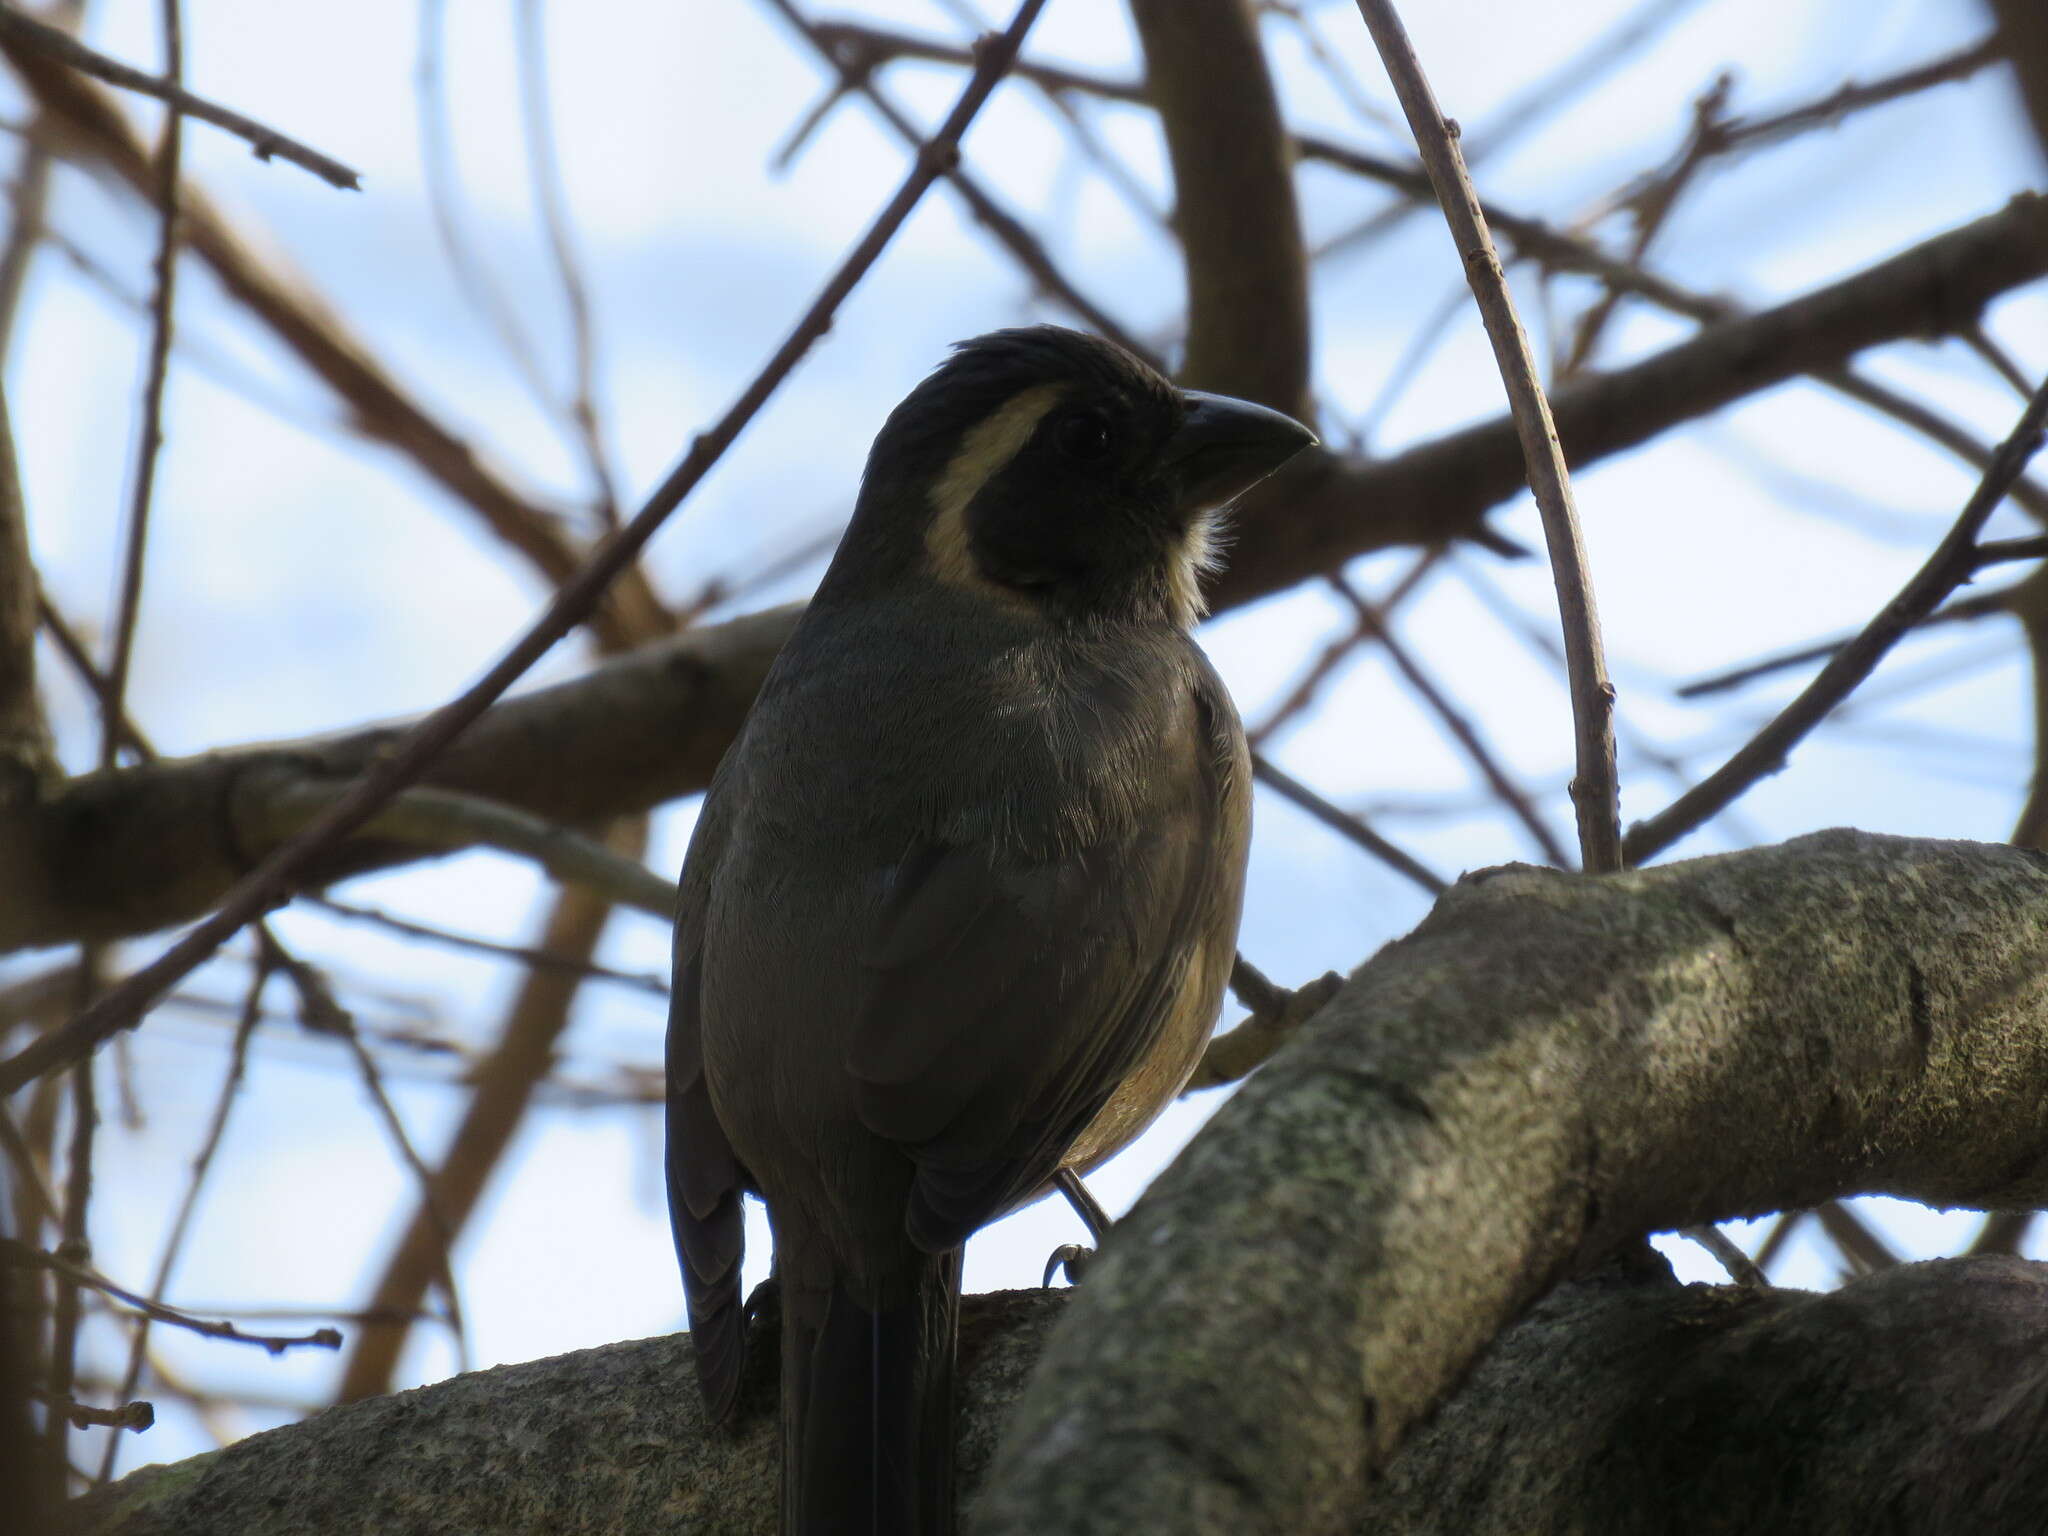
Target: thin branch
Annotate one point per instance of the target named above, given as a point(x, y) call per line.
point(553, 200)
point(1781, 1233)
point(1863, 1248)
point(1325, 666)
point(410, 756)
point(1951, 564)
point(440, 818)
point(1595, 790)
point(504, 1084)
point(1453, 719)
point(1345, 824)
point(1740, 1267)
point(188, 1205)
point(28, 760)
point(1561, 251)
point(96, 129)
point(2004, 551)
point(1274, 1014)
point(71, 646)
point(1029, 252)
point(1983, 605)
point(265, 142)
point(127, 610)
point(1829, 110)
point(539, 959)
point(1980, 341)
point(473, 278)
point(130, 1415)
point(22, 1253)
point(61, 1367)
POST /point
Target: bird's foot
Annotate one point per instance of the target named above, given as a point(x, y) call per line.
point(1071, 1257)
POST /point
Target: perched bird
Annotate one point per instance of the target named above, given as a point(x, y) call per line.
point(963, 898)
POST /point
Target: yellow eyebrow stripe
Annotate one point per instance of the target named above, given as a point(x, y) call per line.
point(983, 453)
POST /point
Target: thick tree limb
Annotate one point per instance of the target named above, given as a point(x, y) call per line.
point(1336, 507)
point(1907, 1401)
point(110, 856)
point(1548, 1067)
point(1233, 178)
point(142, 848)
point(1545, 1069)
point(1914, 1400)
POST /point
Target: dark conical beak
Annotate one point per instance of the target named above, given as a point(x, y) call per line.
point(1224, 447)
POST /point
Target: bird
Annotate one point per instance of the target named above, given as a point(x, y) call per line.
point(962, 898)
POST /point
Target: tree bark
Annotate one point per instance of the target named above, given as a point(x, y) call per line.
point(1550, 1066)
point(1547, 1068)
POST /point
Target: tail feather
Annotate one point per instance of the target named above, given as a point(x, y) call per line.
point(867, 1406)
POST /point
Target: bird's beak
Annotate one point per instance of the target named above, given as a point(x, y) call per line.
point(1224, 447)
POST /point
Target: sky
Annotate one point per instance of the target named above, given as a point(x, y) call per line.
point(302, 582)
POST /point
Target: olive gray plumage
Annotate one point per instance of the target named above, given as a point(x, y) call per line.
point(963, 898)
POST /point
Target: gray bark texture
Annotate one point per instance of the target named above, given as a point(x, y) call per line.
point(1547, 1068)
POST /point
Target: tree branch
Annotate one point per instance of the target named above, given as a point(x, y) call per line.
point(265, 142)
point(1547, 1068)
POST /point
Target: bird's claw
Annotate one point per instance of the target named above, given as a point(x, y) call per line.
point(1072, 1257)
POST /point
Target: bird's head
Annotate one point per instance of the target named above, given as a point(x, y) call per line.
point(1057, 474)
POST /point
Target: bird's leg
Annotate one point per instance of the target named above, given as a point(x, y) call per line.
point(1073, 1257)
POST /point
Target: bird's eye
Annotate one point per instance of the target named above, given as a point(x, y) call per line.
point(1083, 435)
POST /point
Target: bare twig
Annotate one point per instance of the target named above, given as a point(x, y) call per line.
point(169, 156)
point(1981, 342)
point(22, 1253)
point(1030, 253)
point(1561, 251)
point(272, 880)
point(1754, 132)
point(380, 409)
point(71, 646)
point(1948, 567)
point(62, 1361)
point(1347, 825)
point(540, 959)
point(2004, 551)
point(265, 142)
point(1864, 1249)
point(1595, 791)
point(442, 818)
point(473, 278)
point(553, 202)
point(1780, 1234)
point(1740, 1267)
point(1274, 1013)
point(1652, 203)
point(130, 1415)
point(1983, 605)
point(202, 1165)
point(1453, 720)
point(1304, 692)
point(504, 1086)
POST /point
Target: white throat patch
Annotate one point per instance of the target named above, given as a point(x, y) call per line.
point(983, 453)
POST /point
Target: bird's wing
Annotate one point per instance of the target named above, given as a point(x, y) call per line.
point(1005, 1003)
point(705, 1179)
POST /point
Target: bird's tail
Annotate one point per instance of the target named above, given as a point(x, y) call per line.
point(867, 1405)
